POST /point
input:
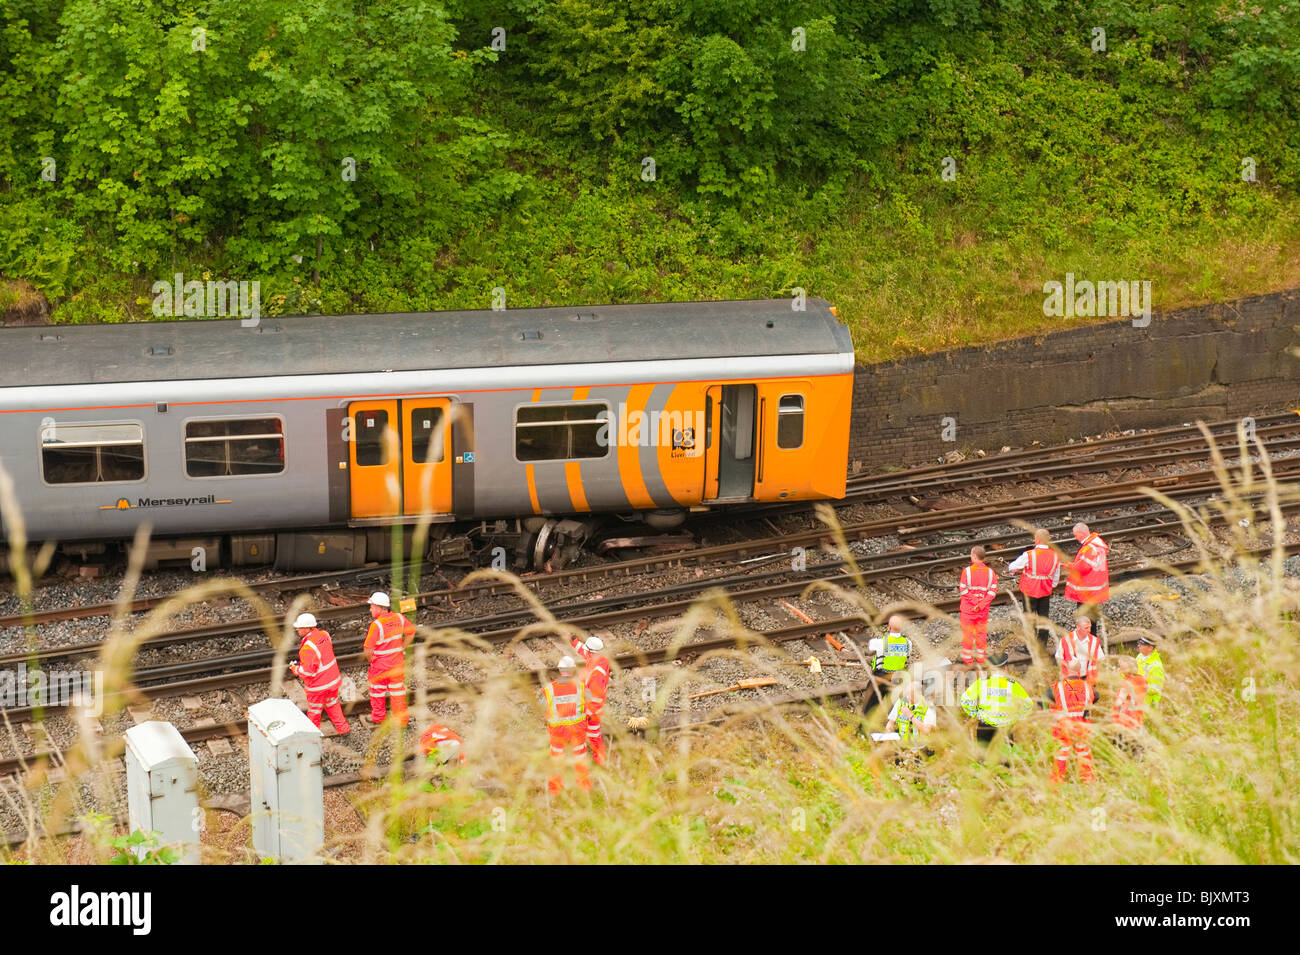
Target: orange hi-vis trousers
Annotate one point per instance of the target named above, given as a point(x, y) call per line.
point(974, 638)
point(388, 682)
point(328, 702)
point(595, 742)
point(572, 736)
point(1072, 735)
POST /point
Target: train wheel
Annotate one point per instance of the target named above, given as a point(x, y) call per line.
point(547, 555)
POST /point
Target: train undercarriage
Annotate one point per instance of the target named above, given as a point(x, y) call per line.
point(518, 545)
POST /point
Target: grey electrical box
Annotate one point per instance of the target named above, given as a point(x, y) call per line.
point(162, 787)
point(286, 786)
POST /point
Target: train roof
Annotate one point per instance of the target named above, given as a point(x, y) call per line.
point(412, 341)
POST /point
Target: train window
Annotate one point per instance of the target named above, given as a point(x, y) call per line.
point(426, 435)
point(561, 432)
point(789, 422)
point(234, 447)
point(92, 453)
point(370, 433)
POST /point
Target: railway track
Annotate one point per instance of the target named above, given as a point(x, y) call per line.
point(877, 568)
point(1164, 445)
point(144, 604)
point(502, 628)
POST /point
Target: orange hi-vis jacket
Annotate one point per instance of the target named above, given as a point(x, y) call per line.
point(1089, 581)
point(1073, 645)
point(438, 737)
point(566, 703)
point(1070, 698)
point(1129, 701)
point(1036, 580)
point(595, 677)
point(978, 585)
point(385, 640)
point(317, 667)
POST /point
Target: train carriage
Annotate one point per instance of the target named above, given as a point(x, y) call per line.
point(301, 440)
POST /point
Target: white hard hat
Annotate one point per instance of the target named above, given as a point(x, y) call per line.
point(304, 620)
point(380, 598)
point(595, 644)
point(566, 663)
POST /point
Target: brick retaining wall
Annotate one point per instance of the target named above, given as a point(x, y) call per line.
point(1211, 362)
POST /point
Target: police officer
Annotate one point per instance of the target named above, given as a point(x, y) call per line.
point(911, 716)
point(996, 699)
point(892, 651)
point(1151, 667)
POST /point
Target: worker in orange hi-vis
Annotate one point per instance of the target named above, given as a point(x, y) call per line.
point(441, 745)
point(1131, 697)
point(1082, 644)
point(595, 680)
point(1040, 572)
point(1089, 582)
point(977, 585)
point(384, 647)
point(319, 672)
point(1070, 699)
point(566, 722)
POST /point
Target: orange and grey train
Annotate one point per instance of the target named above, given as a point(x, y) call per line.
point(302, 441)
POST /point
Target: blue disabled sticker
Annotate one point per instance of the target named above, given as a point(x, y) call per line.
point(469, 457)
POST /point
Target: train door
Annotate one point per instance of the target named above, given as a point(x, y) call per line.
point(783, 461)
point(426, 464)
point(730, 442)
point(375, 457)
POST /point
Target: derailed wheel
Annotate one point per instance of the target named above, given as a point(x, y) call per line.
point(546, 547)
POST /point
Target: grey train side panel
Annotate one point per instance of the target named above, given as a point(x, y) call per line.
point(306, 493)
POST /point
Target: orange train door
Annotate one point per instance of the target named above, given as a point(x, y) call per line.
point(375, 457)
point(783, 461)
point(426, 462)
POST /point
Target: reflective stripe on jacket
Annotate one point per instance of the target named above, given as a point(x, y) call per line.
point(1071, 697)
point(595, 676)
point(385, 637)
point(978, 585)
point(996, 701)
point(909, 726)
point(1128, 701)
point(1039, 573)
point(316, 664)
point(565, 703)
point(1073, 645)
point(895, 653)
point(441, 740)
point(1089, 575)
point(1153, 670)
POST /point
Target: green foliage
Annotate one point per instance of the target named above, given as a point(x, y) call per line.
point(259, 131)
point(128, 850)
point(136, 848)
point(795, 144)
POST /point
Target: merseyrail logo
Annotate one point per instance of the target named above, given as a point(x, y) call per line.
point(123, 504)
